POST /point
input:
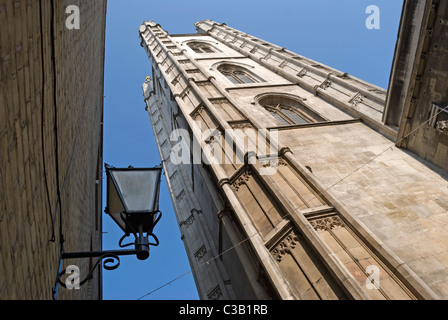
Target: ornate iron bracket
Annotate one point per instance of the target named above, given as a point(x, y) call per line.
point(112, 261)
point(110, 256)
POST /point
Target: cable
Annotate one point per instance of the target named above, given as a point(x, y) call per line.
point(166, 284)
point(282, 218)
point(56, 136)
point(53, 236)
point(56, 139)
point(81, 124)
point(205, 263)
point(381, 153)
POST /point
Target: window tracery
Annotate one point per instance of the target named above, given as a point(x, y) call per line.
point(289, 112)
point(201, 47)
point(238, 75)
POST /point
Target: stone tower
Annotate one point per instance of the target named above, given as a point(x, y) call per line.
point(285, 180)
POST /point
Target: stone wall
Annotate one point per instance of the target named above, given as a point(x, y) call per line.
point(51, 144)
point(418, 100)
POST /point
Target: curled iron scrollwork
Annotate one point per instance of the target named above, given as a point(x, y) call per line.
point(111, 262)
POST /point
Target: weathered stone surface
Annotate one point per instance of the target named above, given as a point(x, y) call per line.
point(29, 213)
point(342, 200)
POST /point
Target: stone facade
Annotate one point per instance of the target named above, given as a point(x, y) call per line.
point(331, 209)
point(418, 100)
point(51, 144)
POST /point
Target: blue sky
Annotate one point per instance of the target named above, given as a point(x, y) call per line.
point(330, 32)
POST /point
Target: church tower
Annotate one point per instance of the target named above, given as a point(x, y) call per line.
point(285, 181)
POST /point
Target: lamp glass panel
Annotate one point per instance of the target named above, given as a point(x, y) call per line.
point(138, 189)
point(114, 204)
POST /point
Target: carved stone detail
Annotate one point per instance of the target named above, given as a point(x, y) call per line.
point(216, 136)
point(242, 179)
point(302, 73)
point(241, 125)
point(188, 222)
point(184, 92)
point(356, 99)
point(327, 223)
point(274, 163)
point(164, 61)
point(181, 195)
point(196, 113)
point(174, 175)
point(199, 254)
point(176, 79)
point(218, 101)
point(215, 294)
point(170, 68)
point(285, 246)
point(326, 84)
point(267, 56)
point(283, 63)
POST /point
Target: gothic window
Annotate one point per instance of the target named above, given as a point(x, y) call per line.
point(277, 116)
point(289, 112)
point(237, 75)
point(201, 47)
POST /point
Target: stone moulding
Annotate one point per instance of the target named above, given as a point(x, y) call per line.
point(215, 293)
point(357, 99)
point(283, 248)
point(242, 179)
point(275, 163)
point(197, 111)
point(200, 253)
point(188, 222)
point(302, 72)
point(327, 223)
point(181, 195)
point(244, 124)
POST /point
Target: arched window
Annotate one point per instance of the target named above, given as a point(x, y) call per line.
point(237, 74)
point(289, 111)
point(201, 47)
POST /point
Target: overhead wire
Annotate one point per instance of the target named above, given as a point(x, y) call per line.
point(44, 160)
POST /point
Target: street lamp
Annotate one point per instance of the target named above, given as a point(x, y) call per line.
point(133, 203)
